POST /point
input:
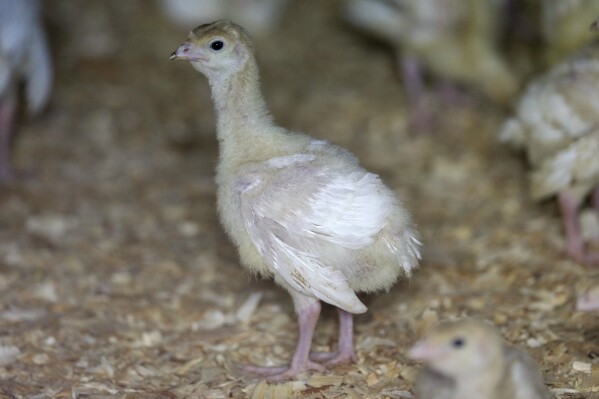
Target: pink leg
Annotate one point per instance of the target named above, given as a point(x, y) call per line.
point(412, 77)
point(307, 318)
point(7, 114)
point(569, 209)
point(345, 352)
point(574, 242)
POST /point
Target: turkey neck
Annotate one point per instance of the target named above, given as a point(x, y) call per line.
point(244, 126)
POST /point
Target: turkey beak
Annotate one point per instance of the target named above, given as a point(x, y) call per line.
point(425, 351)
point(187, 52)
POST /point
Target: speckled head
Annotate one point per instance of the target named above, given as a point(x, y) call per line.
point(459, 347)
point(216, 49)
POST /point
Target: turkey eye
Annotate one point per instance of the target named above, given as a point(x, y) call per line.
point(458, 343)
point(217, 45)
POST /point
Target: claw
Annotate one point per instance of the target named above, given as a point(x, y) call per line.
point(282, 373)
point(334, 358)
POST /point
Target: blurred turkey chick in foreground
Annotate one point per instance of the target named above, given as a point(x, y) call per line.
point(257, 16)
point(455, 39)
point(467, 359)
point(567, 26)
point(299, 210)
point(556, 122)
point(24, 58)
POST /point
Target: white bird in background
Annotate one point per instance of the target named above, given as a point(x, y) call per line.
point(24, 58)
point(455, 39)
point(556, 122)
point(299, 210)
point(467, 359)
point(257, 16)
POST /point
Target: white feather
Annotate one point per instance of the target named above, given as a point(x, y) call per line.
point(349, 211)
point(557, 123)
point(308, 236)
point(554, 174)
point(282, 162)
point(513, 133)
point(23, 52)
point(307, 275)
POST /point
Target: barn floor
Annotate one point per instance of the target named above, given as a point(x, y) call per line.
point(116, 280)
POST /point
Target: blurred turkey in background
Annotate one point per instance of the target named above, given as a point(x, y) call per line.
point(456, 40)
point(257, 16)
point(24, 59)
point(566, 26)
point(556, 123)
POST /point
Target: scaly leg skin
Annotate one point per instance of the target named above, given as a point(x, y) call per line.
point(7, 115)
point(420, 118)
point(345, 351)
point(574, 243)
point(307, 317)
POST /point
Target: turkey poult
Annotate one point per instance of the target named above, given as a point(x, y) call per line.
point(456, 39)
point(298, 209)
point(24, 57)
point(556, 122)
point(467, 359)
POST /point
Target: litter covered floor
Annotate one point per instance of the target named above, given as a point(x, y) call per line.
point(117, 281)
